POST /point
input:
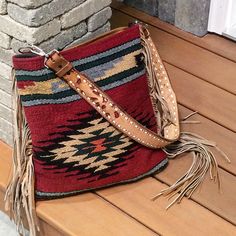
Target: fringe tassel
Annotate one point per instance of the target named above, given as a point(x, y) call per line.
point(186, 121)
point(20, 191)
point(161, 110)
point(19, 197)
point(203, 160)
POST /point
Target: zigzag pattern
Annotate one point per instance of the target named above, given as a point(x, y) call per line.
point(75, 149)
point(93, 146)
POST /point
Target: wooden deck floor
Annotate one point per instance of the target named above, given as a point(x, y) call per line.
point(203, 74)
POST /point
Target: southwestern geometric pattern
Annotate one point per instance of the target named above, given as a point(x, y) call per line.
point(109, 70)
point(75, 149)
point(93, 146)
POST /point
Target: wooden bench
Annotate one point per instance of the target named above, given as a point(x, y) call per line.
point(202, 71)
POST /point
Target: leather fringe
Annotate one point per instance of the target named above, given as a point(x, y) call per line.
point(19, 197)
point(161, 110)
point(203, 158)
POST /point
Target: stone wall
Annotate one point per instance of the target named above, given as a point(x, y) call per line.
point(189, 15)
point(48, 24)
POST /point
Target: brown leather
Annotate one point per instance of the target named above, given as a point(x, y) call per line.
point(108, 109)
point(172, 130)
point(60, 68)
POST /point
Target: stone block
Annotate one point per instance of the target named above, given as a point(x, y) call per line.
point(3, 7)
point(192, 16)
point(5, 98)
point(6, 56)
point(39, 22)
point(25, 33)
point(7, 138)
point(91, 35)
point(166, 10)
point(79, 40)
point(59, 41)
point(6, 127)
point(101, 30)
point(5, 40)
point(5, 70)
point(45, 32)
point(5, 85)
point(16, 44)
point(99, 19)
point(148, 6)
point(6, 112)
point(30, 3)
point(64, 38)
point(78, 30)
point(82, 12)
point(43, 14)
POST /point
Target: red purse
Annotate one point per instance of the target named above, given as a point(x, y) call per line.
point(96, 115)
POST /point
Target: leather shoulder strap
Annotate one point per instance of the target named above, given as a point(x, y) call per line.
point(108, 108)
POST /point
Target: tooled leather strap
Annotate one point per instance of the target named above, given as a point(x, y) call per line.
point(104, 104)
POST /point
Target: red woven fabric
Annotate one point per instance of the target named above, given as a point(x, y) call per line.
point(75, 149)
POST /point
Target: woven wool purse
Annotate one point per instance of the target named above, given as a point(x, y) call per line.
point(96, 115)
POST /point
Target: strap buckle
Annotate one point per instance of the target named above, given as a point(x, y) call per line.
point(49, 55)
point(38, 51)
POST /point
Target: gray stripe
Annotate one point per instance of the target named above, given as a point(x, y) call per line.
point(120, 82)
point(156, 168)
point(51, 101)
point(100, 70)
point(77, 97)
point(46, 71)
point(107, 53)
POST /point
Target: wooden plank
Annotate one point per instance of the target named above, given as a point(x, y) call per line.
point(188, 218)
point(220, 45)
point(2, 206)
point(189, 57)
point(198, 95)
point(222, 204)
point(46, 229)
point(214, 43)
point(85, 214)
point(5, 163)
point(224, 138)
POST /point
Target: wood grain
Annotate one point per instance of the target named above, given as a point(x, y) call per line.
point(2, 207)
point(188, 218)
point(220, 45)
point(5, 163)
point(202, 71)
point(223, 204)
point(224, 138)
point(189, 57)
point(210, 101)
point(85, 214)
point(46, 229)
point(212, 42)
point(193, 92)
point(88, 215)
